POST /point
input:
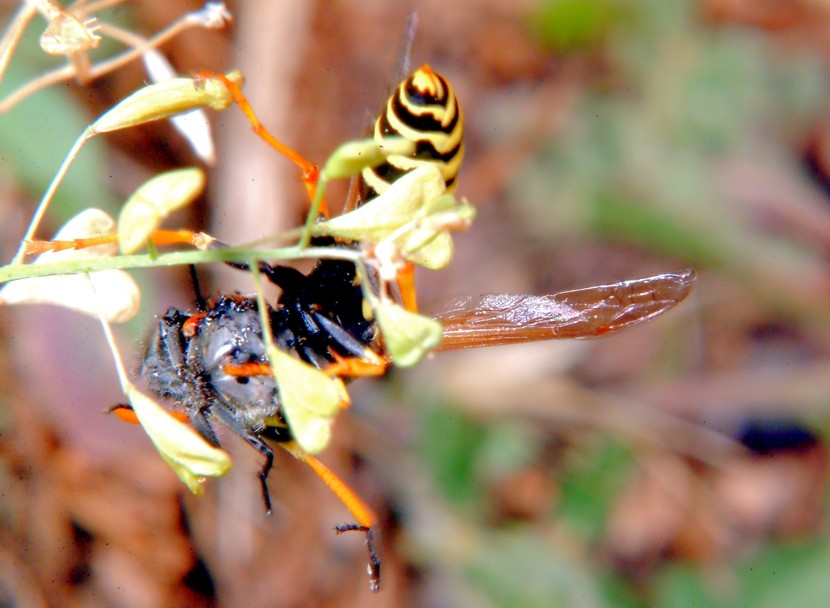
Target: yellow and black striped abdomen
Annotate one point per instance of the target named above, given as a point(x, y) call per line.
point(423, 109)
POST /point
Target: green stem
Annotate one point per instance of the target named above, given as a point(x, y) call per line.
point(125, 262)
point(308, 228)
point(50, 192)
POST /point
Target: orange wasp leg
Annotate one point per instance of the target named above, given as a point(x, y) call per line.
point(126, 414)
point(366, 518)
point(406, 287)
point(371, 364)
point(159, 237)
point(354, 367)
point(309, 172)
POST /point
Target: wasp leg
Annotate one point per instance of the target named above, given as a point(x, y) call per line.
point(406, 287)
point(371, 364)
point(309, 172)
point(352, 367)
point(38, 247)
point(158, 237)
point(366, 518)
point(126, 414)
point(361, 360)
point(199, 421)
point(337, 336)
point(374, 560)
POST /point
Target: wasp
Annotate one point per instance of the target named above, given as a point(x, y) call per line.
point(213, 362)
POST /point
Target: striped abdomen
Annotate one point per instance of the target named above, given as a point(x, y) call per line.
point(422, 109)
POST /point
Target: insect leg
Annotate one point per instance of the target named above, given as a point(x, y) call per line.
point(370, 364)
point(366, 518)
point(361, 360)
point(374, 560)
point(309, 172)
point(125, 413)
point(406, 287)
point(284, 277)
point(159, 237)
point(200, 422)
point(226, 415)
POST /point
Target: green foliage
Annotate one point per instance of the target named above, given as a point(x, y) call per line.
point(465, 455)
point(521, 567)
point(648, 164)
point(590, 484)
point(779, 576)
point(507, 446)
point(449, 445)
point(573, 25)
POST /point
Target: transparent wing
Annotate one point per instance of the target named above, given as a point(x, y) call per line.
point(401, 70)
point(493, 319)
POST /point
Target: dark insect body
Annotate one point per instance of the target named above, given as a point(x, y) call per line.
point(192, 356)
point(318, 317)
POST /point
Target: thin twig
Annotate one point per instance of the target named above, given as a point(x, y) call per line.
point(13, 35)
point(68, 71)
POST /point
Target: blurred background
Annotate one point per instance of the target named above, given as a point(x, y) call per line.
point(680, 463)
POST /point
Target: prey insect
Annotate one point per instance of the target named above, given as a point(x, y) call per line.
point(213, 363)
